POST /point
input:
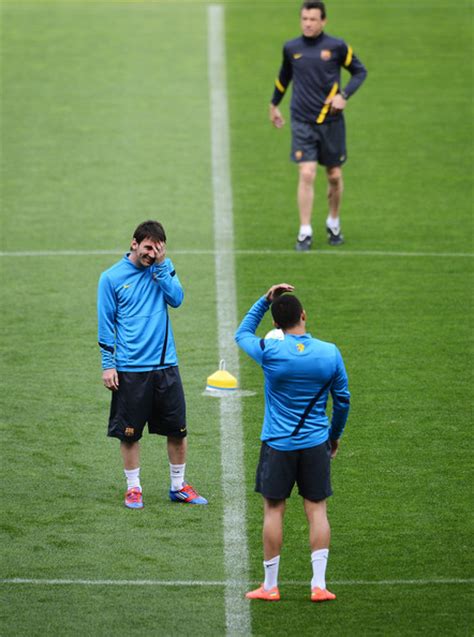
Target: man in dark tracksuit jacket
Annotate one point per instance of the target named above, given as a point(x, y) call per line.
point(314, 61)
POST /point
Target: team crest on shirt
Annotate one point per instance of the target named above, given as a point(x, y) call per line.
point(325, 54)
point(300, 347)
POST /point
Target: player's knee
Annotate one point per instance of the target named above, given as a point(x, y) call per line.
point(335, 179)
point(307, 174)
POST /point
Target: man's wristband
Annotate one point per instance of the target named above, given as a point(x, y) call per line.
point(345, 95)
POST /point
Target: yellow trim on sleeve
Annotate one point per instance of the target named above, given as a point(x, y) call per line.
point(348, 59)
point(325, 108)
point(280, 86)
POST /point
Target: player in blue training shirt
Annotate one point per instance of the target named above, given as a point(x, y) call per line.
point(298, 440)
point(313, 62)
point(139, 359)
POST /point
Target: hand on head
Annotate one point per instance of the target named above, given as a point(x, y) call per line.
point(160, 249)
point(277, 290)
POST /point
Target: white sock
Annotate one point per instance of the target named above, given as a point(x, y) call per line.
point(177, 476)
point(270, 568)
point(305, 231)
point(133, 478)
point(319, 560)
point(333, 224)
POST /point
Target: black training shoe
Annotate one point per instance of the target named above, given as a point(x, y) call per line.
point(304, 245)
point(334, 239)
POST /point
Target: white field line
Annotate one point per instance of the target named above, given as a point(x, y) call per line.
point(212, 583)
point(139, 4)
point(230, 252)
point(237, 608)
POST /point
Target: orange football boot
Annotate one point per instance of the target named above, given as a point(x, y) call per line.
point(321, 595)
point(273, 595)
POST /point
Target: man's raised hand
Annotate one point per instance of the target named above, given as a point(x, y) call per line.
point(277, 290)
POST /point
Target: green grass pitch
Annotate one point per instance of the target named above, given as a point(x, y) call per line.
point(105, 121)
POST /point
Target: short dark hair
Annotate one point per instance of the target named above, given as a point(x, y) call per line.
point(149, 230)
point(315, 5)
point(286, 311)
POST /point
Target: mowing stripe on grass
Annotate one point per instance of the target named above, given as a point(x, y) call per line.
point(231, 252)
point(232, 448)
point(197, 583)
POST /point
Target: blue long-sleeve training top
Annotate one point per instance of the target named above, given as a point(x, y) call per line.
point(300, 372)
point(314, 65)
point(135, 333)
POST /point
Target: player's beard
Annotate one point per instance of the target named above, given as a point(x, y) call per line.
point(147, 261)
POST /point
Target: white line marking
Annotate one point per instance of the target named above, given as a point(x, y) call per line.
point(60, 253)
point(337, 252)
point(211, 583)
point(237, 608)
point(390, 582)
point(110, 582)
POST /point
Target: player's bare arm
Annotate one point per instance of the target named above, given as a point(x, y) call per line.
point(334, 447)
point(110, 379)
point(277, 290)
point(276, 117)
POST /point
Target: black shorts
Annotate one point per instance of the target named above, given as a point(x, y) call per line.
point(310, 468)
point(155, 397)
point(324, 143)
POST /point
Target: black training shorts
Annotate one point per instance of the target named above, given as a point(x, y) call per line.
point(324, 143)
point(310, 468)
point(155, 397)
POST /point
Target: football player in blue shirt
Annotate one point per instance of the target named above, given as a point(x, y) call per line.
point(298, 441)
point(139, 360)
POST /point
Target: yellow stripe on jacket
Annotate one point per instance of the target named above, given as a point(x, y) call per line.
point(348, 59)
point(324, 110)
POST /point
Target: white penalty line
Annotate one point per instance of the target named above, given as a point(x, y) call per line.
point(225, 583)
point(337, 252)
point(237, 608)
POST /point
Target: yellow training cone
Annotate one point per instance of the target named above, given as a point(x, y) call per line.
point(221, 380)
